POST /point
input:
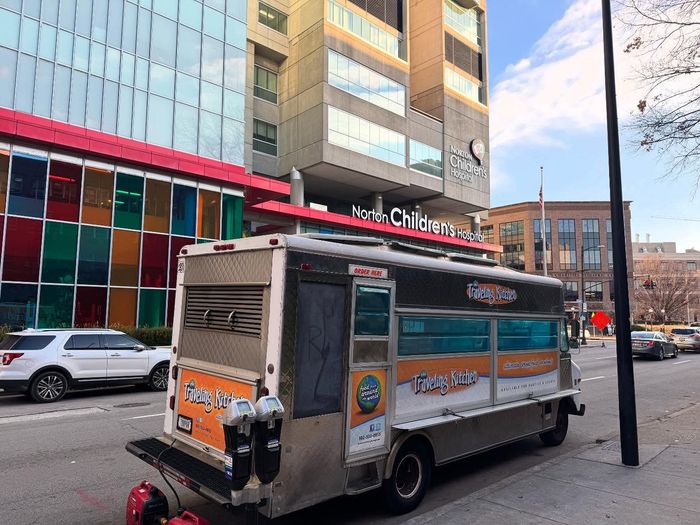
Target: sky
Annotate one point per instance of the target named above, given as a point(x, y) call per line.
point(547, 108)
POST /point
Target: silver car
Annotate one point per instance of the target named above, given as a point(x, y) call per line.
point(686, 338)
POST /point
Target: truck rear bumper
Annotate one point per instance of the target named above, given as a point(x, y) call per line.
point(200, 477)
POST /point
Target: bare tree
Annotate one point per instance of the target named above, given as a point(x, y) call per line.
point(664, 38)
point(664, 287)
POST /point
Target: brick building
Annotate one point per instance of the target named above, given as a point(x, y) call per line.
point(576, 231)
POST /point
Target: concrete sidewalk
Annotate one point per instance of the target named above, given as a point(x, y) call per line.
point(591, 486)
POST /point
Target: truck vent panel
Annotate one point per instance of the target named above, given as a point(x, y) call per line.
point(235, 309)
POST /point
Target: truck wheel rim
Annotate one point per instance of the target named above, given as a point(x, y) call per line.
point(160, 378)
point(50, 387)
point(409, 475)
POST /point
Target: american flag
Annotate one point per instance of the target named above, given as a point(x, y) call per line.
point(541, 201)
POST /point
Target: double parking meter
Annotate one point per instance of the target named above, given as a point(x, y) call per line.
point(268, 428)
point(238, 433)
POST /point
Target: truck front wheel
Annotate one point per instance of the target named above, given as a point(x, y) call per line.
point(409, 480)
point(557, 435)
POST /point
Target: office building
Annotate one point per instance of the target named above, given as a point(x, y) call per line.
point(131, 129)
point(579, 246)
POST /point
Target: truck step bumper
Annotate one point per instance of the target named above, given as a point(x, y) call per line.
point(194, 474)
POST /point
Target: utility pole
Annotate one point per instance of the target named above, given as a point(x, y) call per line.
point(625, 373)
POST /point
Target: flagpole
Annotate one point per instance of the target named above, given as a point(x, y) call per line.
point(543, 224)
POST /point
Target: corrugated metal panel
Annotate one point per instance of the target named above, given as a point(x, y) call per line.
point(231, 308)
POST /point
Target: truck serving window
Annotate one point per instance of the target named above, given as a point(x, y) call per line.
point(372, 311)
point(443, 335)
point(522, 334)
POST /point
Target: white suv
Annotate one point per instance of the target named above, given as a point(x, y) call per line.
point(46, 363)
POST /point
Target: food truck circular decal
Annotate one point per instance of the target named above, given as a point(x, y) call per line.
point(490, 293)
point(369, 393)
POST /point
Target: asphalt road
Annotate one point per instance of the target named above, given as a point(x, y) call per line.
point(65, 463)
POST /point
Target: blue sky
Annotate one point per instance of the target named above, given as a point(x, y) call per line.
point(547, 108)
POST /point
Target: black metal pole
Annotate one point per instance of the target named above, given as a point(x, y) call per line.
point(625, 371)
point(582, 322)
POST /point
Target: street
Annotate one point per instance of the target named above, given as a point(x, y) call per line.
point(65, 463)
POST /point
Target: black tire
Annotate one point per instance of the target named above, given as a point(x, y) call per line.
point(661, 355)
point(158, 380)
point(675, 352)
point(48, 387)
point(410, 478)
point(557, 435)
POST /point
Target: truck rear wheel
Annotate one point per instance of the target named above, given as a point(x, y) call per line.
point(410, 478)
point(556, 436)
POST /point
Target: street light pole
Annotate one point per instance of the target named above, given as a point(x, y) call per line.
point(629, 442)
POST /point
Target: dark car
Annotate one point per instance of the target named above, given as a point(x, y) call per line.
point(654, 344)
point(686, 338)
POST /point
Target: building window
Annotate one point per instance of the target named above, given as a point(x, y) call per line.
point(272, 18)
point(425, 158)
point(264, 137)
point(365, 83)
point(265, 84)
point(366, 30)
point(365, 137)
point(571, 290)
point(692, 266)
point(608, 231)
point(512, 237)
point(538, 243)
point(464, 86)
point(487, 232)
point(466, 22)
point(593, 291)
point(591, 241)
point(567, 244)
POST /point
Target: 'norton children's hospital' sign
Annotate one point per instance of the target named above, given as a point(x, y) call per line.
point(467, 164)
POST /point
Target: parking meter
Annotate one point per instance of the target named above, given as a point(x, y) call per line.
point(238, 420)
point(268, 428)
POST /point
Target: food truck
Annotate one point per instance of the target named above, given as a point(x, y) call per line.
point(309, 367)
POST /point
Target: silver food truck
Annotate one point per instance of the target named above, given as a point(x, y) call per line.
point(309, 367)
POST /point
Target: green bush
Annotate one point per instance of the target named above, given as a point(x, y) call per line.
point(148, 335)
point(4, 329)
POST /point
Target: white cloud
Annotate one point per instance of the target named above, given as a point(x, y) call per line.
point(559, 88)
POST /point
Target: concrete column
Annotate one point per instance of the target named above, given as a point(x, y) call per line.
point(378, 203)
point(476, 224)
point(296, 182)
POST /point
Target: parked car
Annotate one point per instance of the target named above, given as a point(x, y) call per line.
point(654, 344)
point(686, 338)
point(45, 364)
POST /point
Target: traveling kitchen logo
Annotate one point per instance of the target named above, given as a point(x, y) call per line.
point(490, 293)
point(455, 380)
point(211, 400)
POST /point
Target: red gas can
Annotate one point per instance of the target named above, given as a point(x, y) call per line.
point(146, 505)
point(187, 518)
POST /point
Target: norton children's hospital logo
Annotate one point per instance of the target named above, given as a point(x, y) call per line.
point(425, 383)
point(490, 293)
point(216, 400)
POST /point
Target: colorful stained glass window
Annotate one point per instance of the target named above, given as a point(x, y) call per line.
point(157, 208)
point(171, 307)
point(128, 201)
point(56, 307)
point(125, 258)
point(176, 244)
point(27, 185)
point(60, 246)
point(208, 214)
point(154, 260)
point(90, 306)
point(122, 306)
point(231, 217)
point(152, 308)
point(4, 170)
point(97, 196)
point(18, 305)
point(22, 250)
point(184, 210)
point(63, 202)
point(93, 256)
